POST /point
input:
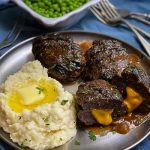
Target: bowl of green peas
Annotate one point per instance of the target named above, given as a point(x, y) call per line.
point(58, 14)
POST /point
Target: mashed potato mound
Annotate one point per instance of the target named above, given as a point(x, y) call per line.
point(46, 126)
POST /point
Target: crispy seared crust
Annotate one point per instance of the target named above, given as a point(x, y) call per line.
point(137, 78)
point(105, 59)
point(61, 55)
point(101, 95)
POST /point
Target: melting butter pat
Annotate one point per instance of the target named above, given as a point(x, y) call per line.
point(133, 99)
point(103, 116)
point(31, 94)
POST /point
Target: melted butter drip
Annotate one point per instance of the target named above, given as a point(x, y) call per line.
point(14, 100)
point(133, 99)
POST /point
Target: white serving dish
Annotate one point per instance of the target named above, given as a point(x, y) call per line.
point(61, 22)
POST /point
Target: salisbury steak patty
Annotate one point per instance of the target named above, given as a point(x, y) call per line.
point(105, 59)
point(136, 78)
point(61, 55)
point(98, 94)
point(86, 117)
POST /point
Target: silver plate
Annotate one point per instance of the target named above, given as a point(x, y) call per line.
point(12, 61)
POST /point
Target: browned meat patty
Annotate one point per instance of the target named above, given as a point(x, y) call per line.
point(98, 94)
point(60, 55)
point(120, 85)
point(136, 78)
point(86, 118)
point(105, 59)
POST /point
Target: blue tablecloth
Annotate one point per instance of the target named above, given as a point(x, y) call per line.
point(8, 17)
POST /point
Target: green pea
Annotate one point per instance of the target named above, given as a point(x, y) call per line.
point(54, 8)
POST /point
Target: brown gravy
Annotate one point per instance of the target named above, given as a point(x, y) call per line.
point(123, 124)
point(85, 45)
point(133, 58)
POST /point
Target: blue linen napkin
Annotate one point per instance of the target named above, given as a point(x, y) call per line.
point(31, 28)
point(3, 1)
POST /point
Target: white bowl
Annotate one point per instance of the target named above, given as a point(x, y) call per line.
point(60, 22)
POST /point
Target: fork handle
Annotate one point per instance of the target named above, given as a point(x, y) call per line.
point(141, 19)
point(142, 15)
point(144, 43)
point(142, 31)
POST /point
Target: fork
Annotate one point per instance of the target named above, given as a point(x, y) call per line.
point(101, 12)
point(10, 39)
point(109, 15)
point(143, 17)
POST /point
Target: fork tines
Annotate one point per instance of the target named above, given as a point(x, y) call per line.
point(13, 34)
point(104, 11)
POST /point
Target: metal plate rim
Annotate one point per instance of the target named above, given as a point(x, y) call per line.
point(72, 32)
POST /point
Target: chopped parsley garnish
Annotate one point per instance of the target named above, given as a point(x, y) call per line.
point(45, 119)
point(53, 66)
point(92, 135)
point(77, 142)
point(115, 91)
point(113, 132)
point(23, 143)
point(96, 89)
point(85, 92)
point(63, 102)
point(114, 87)
point(60, 139)
point(40, 90)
